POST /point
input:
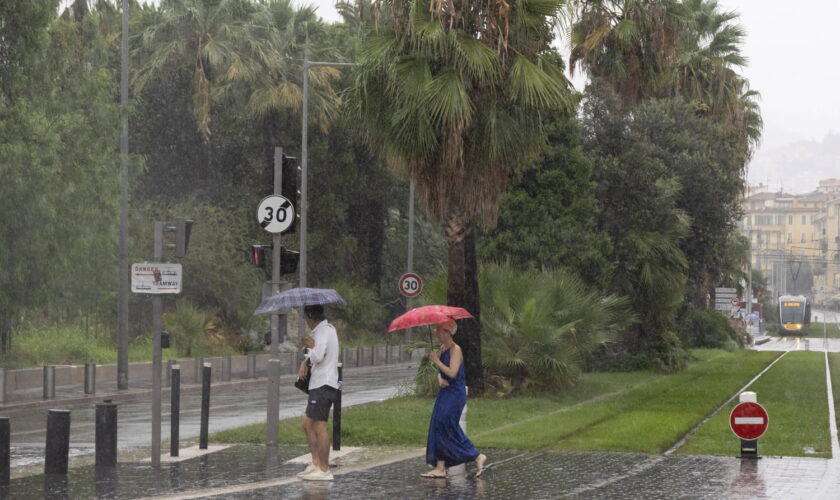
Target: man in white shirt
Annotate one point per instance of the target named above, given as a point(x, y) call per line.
point(322, 344)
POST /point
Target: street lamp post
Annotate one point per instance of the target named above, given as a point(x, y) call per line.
point(304, 162)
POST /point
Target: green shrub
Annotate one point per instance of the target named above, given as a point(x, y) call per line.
point(706, 328)
point(187, 325)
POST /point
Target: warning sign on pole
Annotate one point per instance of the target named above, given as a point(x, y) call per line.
point(156, 278)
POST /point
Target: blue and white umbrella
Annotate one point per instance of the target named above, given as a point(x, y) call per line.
point(299, 297)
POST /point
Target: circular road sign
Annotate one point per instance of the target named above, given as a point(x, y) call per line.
point(749, 420)
point(410, 285)
point(275, 213)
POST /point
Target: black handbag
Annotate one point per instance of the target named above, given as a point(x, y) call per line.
point(303, 383)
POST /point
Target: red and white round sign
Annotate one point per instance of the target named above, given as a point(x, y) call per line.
point(749, 420)
point(410, 285)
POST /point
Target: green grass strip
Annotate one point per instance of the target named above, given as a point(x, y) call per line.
point(793, 392)
point(404, 421)
point(834, 366)
point(649, 418)
point(823, 330)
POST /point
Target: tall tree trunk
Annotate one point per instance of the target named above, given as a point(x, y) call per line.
point(460, 294)
point(471, 328)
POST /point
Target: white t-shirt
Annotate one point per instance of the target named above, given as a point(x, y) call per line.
point(324, 356)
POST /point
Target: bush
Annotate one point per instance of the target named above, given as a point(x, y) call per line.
point(706, 328)
point(187, 326)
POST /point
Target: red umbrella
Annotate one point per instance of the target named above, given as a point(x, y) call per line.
point(428, 315)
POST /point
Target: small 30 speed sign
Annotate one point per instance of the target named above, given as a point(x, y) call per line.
point(276, 213)
point(410, 285)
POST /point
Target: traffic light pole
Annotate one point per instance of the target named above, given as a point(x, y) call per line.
point(273, 400)
point(157, 326)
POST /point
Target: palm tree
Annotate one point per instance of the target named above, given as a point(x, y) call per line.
point(629, 44)
point(450, 94)
point(199, 34)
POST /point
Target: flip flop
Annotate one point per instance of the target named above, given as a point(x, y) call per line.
point(433, 475)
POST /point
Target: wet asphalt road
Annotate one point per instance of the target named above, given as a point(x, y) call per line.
point(232, 405)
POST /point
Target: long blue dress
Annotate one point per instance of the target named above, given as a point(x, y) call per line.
point(446, 440)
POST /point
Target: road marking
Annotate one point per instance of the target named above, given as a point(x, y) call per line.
point(749, 420)
point(830, 477)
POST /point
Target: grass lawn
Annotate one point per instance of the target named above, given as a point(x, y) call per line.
point(404, 421)
point(834, 366)
point(643, 411)
point(794, 394)
point(649, 418)
point(832, 330)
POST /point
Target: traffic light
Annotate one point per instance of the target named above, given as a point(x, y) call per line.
point(183, 228)
point(259, 255)
point(289, 189)
point(165, 339)
point(289, 259)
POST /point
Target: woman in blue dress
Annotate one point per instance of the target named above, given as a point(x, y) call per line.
point(447, 444)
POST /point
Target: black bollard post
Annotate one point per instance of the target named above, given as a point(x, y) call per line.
point(58, 442)
point(106, 434)
point(49, 382)
point(5, 447)
point(336, 438)
point(90, 378)
point(175, 411)
point(205, 407)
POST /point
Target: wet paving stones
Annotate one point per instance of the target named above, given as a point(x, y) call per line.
point(512, 474)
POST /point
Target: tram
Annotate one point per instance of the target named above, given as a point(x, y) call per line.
point(794, 315)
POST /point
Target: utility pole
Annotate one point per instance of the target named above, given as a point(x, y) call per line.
point(278, 321)
point(123, 270)
point(410, 266)
point(157, 326)
point(304, 177)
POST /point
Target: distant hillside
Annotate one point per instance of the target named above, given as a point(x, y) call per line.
point(796, 166)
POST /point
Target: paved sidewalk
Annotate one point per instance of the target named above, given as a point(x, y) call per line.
point(251, 472)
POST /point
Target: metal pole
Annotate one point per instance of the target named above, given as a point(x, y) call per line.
point(749, 285)
point(157, 326)
point(58, 442)
point(2, 385)
point(123, 270)
point(336, 437)
point(410, 265)
point(226, 369)
point(90, 378)
point(252, 366)
point(273, 406)
point(175, 411)
point(49, 382)
point(275, 257)
point(5, 450)
point(106, 434)
point(167, 380)
point(205, 407)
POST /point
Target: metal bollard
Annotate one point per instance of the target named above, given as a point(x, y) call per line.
point(336, 437)
point(198, 365)
point(5, 450)
point(227, 365)
point(90, 378)
point(400, 353)
point(373, 355)
point(360, 354)
point(106, 434)
point(273, 402)
point(49, 382)
point(2, 385)
point(58, 442)
point(387, 355)
point(175, 410)
point(167, 379)
point(205, 406)
point(252, 366)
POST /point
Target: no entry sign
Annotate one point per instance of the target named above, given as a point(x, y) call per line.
point(748, 420)
point(410, 285)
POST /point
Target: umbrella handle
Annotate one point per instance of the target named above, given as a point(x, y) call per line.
point(431, 344)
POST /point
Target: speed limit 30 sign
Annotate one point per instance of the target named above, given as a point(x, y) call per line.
point(410, 285)
point(276, 213)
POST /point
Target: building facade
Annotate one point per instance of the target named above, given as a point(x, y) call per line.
point(794, 240)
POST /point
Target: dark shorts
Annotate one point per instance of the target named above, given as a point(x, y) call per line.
point(320, 401)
